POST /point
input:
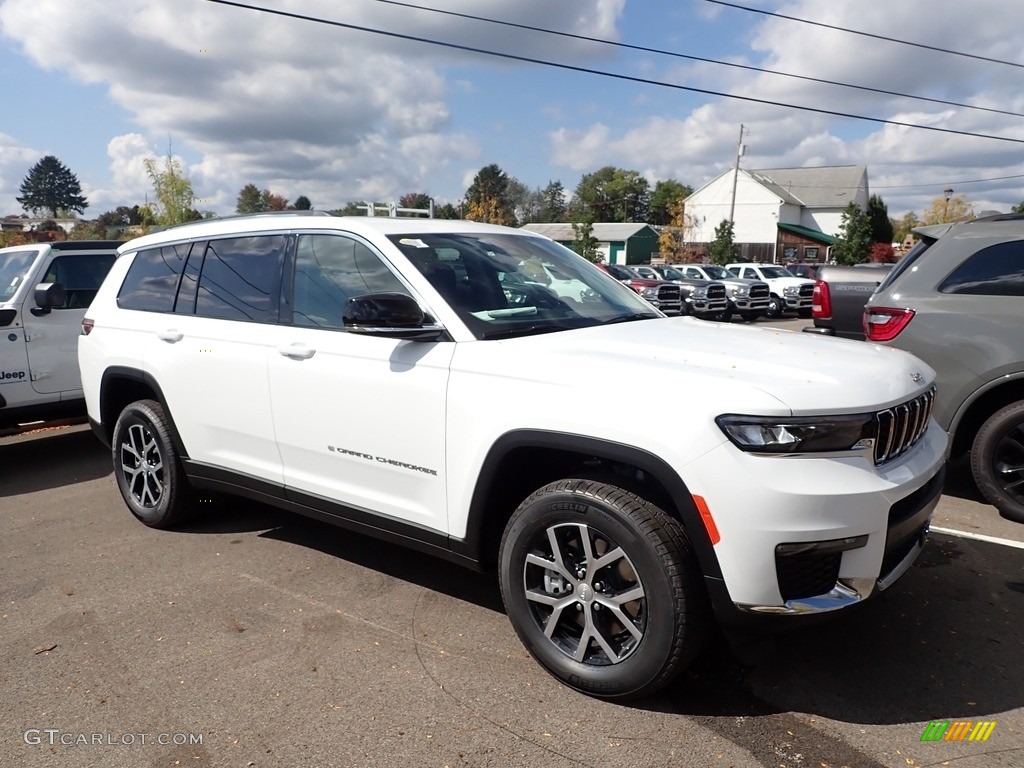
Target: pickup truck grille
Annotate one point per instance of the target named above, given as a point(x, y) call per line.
point(807, 291)
point(760, 291)
point(716, 291)
point(669, 294)
point(900, 427)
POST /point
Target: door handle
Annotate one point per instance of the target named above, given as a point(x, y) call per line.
point(298, 351)
point(171, 334)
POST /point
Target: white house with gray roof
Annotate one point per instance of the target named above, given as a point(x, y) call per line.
point(791, 209)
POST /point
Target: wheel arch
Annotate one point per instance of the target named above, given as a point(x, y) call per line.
point(522, 461)
point(122, 385)
point(985, 402)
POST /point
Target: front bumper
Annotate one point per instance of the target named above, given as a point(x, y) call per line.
point(700, 306)
point(824, 532)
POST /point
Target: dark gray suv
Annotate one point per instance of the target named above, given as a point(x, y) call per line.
point(957, 302)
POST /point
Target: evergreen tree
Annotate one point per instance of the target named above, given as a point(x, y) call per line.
point(882, 229)
point(50, 186)
point(302, 203)
point(552, 203)
point(250, 200)
point(723, 248)
point(854, 243)
point(585, 244)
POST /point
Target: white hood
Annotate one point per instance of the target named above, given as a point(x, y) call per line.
point(650, 365)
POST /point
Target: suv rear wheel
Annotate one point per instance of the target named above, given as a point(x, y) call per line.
point(997, 461)
point(146, 464)
point(602, 588)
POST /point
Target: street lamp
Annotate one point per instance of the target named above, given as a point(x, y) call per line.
point(948, 192)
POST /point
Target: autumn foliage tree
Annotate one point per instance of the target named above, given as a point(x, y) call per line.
point(488, 197)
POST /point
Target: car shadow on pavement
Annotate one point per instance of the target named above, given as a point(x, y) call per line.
point(52, 459)
point(945, 642)
point(234, 515)
point(960, 481)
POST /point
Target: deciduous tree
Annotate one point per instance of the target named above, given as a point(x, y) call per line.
point(942, 210)
point(667, 194)
point(172, 191)
point(613, 194)
point(488, 197)
point(50, 186)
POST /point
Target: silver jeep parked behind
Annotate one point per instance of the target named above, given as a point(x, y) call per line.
point(956, 302)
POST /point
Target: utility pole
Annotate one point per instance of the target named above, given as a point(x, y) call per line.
point(736, 174)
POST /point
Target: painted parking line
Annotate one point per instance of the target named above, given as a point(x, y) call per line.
point(979, 537)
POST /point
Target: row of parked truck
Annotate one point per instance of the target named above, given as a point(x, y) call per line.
point(712, 291)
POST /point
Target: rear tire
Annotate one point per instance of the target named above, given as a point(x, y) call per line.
point(147, 467)
point(997, 461)
point(602, 588)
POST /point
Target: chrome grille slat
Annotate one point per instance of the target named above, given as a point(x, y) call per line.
point(900, 427)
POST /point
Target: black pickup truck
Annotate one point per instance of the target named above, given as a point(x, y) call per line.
point(840, 294)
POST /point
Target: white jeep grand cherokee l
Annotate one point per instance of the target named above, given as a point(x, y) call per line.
point(418, 380)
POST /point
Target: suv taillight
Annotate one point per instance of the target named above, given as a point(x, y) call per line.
point(885, 323)
point(87, 325)
point(821, 301)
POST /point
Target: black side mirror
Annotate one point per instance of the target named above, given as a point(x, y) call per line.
point(48, 296)
point(389, 314)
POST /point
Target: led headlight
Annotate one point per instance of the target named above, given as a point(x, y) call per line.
point(810, 434)
point(790, 290)
point(649, 292)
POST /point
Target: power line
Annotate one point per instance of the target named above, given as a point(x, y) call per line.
point(948, 182)
point(613, 75)
point(871, 35)
point(688, 57)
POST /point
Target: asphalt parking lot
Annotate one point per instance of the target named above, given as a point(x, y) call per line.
point(257, 638)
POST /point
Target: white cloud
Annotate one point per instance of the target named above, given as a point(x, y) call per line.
point(297, 106)
point(15, 162)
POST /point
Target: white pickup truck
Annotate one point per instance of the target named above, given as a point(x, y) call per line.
point(788, 292)
point(45, 289)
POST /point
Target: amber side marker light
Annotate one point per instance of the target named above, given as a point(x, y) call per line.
point(709, 522)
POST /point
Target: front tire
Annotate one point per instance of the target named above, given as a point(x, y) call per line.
point(997, 461)
point(774, 310)
point(602, 588)
point(147, 466)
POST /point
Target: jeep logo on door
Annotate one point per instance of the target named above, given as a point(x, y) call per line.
point(6, 376)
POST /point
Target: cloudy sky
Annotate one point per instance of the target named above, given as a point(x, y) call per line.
point(340, 114)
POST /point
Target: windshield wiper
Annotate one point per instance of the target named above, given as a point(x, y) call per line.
point(522, 330)
point(630, 317)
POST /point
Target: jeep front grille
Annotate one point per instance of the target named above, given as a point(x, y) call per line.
point(899, 427)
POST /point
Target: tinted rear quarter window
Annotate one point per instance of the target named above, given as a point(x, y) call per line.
point(241, 278)
point(994, 271)
point(152, 279)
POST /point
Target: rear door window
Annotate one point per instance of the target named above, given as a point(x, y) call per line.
point(152, 279)
point(241, 278)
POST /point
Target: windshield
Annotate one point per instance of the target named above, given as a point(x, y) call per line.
point(773, 272)
point(504, 285)
point(14, 267)
point(715, 272)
